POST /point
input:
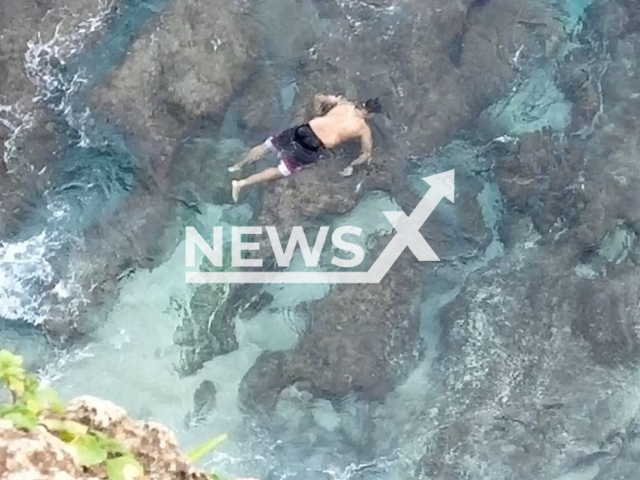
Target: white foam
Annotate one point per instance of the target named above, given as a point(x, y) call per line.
point(47, 78)
point(30, 291)
point(18, 121)
point(23, 264)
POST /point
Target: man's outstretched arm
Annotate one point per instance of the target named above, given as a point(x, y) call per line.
point(366, 140)
point(320, 102)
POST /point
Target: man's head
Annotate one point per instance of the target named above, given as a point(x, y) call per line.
point(371, 106)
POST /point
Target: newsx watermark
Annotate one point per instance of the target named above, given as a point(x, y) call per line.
point(407, 235)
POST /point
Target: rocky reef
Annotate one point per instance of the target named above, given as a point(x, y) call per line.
point(514, 357)
point(539, 345)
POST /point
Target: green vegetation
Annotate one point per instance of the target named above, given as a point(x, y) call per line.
point(32, 406)
point(205, 448)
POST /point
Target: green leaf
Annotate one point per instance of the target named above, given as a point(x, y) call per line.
point(205, 448)
point(124, 468)
point(89, 450)
point(33, 405)
point(15, 384)
point(8, 359)
point(49, 398)
point(68, 428)
point(112, 446)
point(22, 419)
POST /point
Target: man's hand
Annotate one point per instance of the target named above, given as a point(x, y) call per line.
point(347, 172)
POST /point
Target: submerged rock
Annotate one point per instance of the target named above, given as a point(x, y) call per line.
point(204, 398)
point(529, 350)
point(37, 41)
point(207, 329)
point(181, 70)
point(539, 348)
point(360, 338)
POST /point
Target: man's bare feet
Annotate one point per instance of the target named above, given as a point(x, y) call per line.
point(234, 168)
point(236, 186)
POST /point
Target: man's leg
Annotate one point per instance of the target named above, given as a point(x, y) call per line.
point(265, 176)
point(255, 154)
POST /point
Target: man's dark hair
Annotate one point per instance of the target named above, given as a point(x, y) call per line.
point(373, 105)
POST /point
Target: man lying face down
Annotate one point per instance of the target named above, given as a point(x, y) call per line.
point(301, 146)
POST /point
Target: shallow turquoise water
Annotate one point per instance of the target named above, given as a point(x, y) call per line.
point(134, 353)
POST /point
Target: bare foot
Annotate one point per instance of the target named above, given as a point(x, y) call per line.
point(236, 186)
point(234, 168)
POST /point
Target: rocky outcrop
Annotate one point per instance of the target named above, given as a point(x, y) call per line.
point(182, 69)
point(31, 137)
point(21, 23)
point(41, 455)
point(575, 185)
point(35, 455)
point(31, 159)
point(539, 347)
point(436, 69)
point(360, 338)
point(525, 343)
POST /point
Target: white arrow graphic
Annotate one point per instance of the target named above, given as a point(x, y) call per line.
point(407, 236)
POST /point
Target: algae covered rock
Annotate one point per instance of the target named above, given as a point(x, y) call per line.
point(183, 68)
point(361, 339)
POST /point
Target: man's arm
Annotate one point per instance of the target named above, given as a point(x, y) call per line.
point(366, 140)
point(320, 102)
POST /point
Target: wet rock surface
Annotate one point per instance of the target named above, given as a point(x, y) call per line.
point(538, 346)
point(449, 93)
point(182, 69)
point(32, 137)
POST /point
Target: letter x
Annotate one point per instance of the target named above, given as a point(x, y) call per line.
point(408, 235)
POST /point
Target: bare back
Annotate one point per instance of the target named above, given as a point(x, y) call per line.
point(342, 123)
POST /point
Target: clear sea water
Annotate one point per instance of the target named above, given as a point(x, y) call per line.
point(131, 358)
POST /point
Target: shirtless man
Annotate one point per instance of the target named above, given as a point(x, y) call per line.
point(301, 146)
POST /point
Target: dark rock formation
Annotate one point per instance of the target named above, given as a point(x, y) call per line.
point(539, 347)
point(31, 137)
point(204, 398)
point(263, 383)
point(525, 343)
point(207, 329)
point(181, 70)
point(429, 96)
point(360, 338)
